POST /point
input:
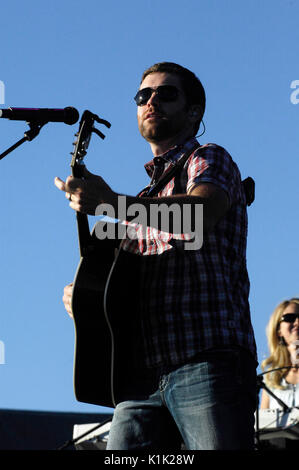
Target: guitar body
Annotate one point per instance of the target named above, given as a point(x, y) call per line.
point(93, 340)
point(101, 292)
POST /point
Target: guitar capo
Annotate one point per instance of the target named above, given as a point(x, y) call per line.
point(89, 115)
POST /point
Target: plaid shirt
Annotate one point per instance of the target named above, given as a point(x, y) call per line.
point(193, 300)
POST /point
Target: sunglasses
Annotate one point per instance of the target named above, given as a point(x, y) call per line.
point(166, 93)
point(289, 317)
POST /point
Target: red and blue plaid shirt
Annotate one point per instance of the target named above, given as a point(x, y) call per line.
point(194, 300)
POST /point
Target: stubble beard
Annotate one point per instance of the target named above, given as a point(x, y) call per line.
point(156, 132)
point(165, 128)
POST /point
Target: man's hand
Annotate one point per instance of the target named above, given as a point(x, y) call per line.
point(86, 194)
point(67, 299)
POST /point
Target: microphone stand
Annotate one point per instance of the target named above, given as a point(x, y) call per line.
point(34, 130)
point(261, 384)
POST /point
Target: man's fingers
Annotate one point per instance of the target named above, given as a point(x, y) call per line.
point(70, 185)
point(59, 183)
point(67, 297)
point(68, 289)
point(84, 197)
point(74, 184)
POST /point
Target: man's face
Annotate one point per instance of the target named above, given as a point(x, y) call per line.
point(159, 120)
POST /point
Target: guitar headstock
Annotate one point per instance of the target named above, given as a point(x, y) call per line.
point(86, 128)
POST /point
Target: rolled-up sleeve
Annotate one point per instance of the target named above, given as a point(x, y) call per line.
point(213, 164)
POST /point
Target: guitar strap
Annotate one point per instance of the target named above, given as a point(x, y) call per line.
point(169, 174)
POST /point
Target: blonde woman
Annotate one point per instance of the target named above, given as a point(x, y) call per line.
point(283, 342)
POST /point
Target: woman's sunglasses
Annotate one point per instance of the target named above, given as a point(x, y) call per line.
point(289, 317)
point(165, 93)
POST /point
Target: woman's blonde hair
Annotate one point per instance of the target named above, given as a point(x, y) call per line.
point(279, 354)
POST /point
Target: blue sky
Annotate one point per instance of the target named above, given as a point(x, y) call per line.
point(91, 55)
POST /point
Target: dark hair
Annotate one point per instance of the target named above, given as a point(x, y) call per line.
point(192, 86)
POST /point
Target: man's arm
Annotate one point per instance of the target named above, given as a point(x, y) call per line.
point(214, 200)
point(86, 196)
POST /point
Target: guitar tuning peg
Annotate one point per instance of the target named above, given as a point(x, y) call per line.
point(99, 133)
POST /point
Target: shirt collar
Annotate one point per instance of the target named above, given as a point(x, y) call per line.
point(170, 156)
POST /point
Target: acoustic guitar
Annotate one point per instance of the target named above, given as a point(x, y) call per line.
point(99, 286)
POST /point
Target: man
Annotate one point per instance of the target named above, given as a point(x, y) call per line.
point(194, 374)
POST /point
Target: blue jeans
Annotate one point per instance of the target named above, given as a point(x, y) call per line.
point(208, 404)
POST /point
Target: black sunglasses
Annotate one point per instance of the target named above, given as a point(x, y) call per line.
point(289, 317)
point(165, 93)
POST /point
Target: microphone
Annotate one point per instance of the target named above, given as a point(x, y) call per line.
point(67, 115)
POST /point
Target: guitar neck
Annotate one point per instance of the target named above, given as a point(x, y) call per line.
point(84, 235)
point(86, 128)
